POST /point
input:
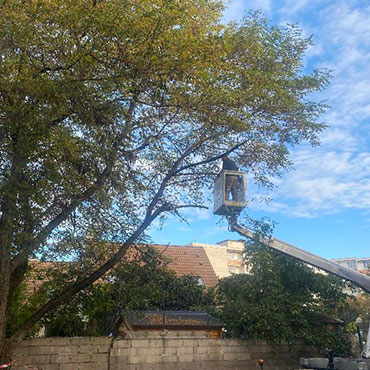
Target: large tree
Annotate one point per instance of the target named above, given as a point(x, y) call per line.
point(113, 113)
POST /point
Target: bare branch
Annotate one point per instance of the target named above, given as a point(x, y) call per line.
point(212, 159)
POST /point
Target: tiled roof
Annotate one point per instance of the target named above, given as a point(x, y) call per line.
point(184, 260)
point(188, 260)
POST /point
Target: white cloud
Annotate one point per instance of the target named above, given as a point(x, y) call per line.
point(335, 176)
point(323, 183)
point(236, 10)
point(294, 6)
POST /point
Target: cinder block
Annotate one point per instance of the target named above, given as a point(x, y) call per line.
point(201, 350)
point(119, 352)
point(234, 349)
point(122, 366)
point(185, 350)
point(186, 358)
point(216, 356)
point(156, 342)
point(206, 342)
point(216, 349)
point(240, 356)
point(60, 341)
point(22, 350)
point(155, 351)
point(90, 348)
point(169, 350)
point(231, 365)
point(63, 359)
point(94, 366)
point(25, 342)
point(135, 359)
point(169, 358)
point(260, 342)
point(35, 359)
point(100, 340)
point(261, 349)
point(139, 342)
point(70, 366)
point(236, 342)
point(39, 341)
point(189, 366)
point(173, 342)
point(152, 359)
point(98, 357)
point(122, 343)
point(201, 357)
point(191, 342)
point(161, 366)
point(43, 367)
point(49, 350)
point(265, 355)
point(50, 367)
point(80, 341)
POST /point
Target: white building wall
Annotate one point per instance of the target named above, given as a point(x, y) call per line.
point(226, 257)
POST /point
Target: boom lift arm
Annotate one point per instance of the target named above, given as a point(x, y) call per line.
point(232, 208)
point(357, 278)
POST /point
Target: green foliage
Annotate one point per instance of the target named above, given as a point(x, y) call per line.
point(360, 308)
point(21, 308)
point(98, 100)
point(282, 299)
point(142, 283)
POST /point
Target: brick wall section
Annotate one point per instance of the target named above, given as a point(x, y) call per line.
point(157, 354)
point(204, 354)
point(78, 353)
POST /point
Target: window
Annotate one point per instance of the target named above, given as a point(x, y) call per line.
point(352, 265)
point(234, 256)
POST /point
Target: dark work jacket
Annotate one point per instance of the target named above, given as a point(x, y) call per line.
point(228, 164)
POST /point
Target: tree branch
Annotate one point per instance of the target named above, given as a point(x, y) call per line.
point(78, 286)
point(212, 159)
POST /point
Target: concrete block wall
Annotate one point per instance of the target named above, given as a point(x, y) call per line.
point(99, 353)
point(78, 353)
point(204, 354)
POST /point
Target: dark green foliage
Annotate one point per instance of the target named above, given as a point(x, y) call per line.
point(143, 282)
point(282, 299)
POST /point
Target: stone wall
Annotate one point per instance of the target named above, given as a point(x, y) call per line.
point(80, 353)
point(156, 354)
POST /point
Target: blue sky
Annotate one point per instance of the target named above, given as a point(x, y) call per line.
point(323, 205)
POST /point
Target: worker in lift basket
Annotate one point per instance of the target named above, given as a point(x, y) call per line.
point(231, 181)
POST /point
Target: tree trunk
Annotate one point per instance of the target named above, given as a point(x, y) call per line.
point(5, 272)
point(8, 213)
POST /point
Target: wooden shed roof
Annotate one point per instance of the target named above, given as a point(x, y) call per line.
point(172, 319)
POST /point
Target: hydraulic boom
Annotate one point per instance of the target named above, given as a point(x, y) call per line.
point(357, 278)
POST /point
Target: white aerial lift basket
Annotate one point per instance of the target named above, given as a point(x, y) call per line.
point(223, 202)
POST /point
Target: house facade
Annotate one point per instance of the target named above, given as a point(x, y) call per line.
point(358, 264)
point(226, 257)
